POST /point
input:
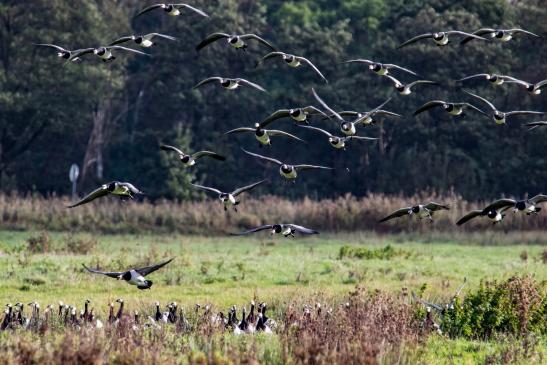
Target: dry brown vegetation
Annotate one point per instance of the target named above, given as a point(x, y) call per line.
point(345, 213)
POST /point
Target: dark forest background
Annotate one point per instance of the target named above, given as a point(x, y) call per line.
point(111, 118)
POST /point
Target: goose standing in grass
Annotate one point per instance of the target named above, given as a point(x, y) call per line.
point(190, 160)
point(104, 53)
point(132, 276)
point(230, 198)
point(534, 89)
point(494, 212)
point(235, 40)
point(298, 115)
point(263, 135)
point(420, 210)
point(63, 53)
point(406, 89)
point(6, 321)
point(502, 35)
point(286, 229)
point(292, 61)
point(494, 79)
point(499, 117)
point(229, 84)
point(172, 9)
point(381, 69)
point(535, 125)
point(145, 40)
point(454, 109)
point(440, 38)
point(338, 142)
point(124, 190)
point(286, 170)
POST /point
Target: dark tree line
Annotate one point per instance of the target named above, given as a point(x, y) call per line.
point(111, 118)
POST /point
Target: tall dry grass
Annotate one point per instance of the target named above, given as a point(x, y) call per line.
point(346, 213)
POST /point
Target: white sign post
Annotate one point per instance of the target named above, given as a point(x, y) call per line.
point(73, 176)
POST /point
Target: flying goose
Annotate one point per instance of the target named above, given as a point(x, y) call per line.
point(438, 307)
point(229, 198)
point(440, 38)
point(286, 170)
point(230, 84)
point(405, 89)
point(338, 142)
point(104, 53)
point(124, 190)
point(132, 276)
point(263, 135)
point(347, 127)
point(292, 61)
point(454, 109)
point(284, 228)
point(235, 40)
point(190, 160)
point(534, 89)
point(494, 79)
point(62, 52)
point(142, 40)
point(499, 116)
point(528, 206)
point(422, 211)
point(534, 125)
point(171, 9)
point(381, 69)
point(503, 35)
point(494, 212)
point(299, 115)
point(365, 118)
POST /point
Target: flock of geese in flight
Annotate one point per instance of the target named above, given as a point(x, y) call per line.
point(348, 121)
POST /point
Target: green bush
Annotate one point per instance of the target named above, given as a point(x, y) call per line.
point(384, 253)
point(516, 306)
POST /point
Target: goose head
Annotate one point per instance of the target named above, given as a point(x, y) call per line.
point(99, 51)
point(119, 300)
point(448, 107)
point(63, 54)
point(375, 67)
point(185, 158)
point(334, 140)
point(400, 87)
point(287, 169)
point(233, 39)
point(492, 214)
point(137, 40)
point(521, 205)
point(499, 34)
point(289, 58)
point(499, 116)
point(225, 82)
point(438, 36)
point(260, 132)
point(223, 196)
point(167, 7)
point(295, 112)
point(110, 187)
point(414, 210)
point(346, 126)
point(276, 228)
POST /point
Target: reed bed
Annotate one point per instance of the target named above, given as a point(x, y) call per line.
point(343, 214)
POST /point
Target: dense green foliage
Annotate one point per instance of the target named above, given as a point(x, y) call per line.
point(116, 114)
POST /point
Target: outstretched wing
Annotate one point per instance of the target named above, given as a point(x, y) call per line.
point(259, 39)
point(317, 129)
point(207, 188)
point(436, 206)
point(121, 40)
point(457, 294)
point(301, 229)
point(150, 8)
point(428, 105)
point(241, 130)
point(498, 204)
point(437, 307)
point(483, 99)
point(310, 109)
point(467, 35)
point(133, 188)
point(540, 198)
point(269, 159)
point(396, 214)
point(281, 113)
point(257, 229)
point(362, 138)
point(81, 52)
point(486, 76)
point(150, 36)
point(302, 59)
point(274, 132)
point(415, 39)
point(426, 82)
point(523, 112)
point(268, 56)
point(58, 48)
point(469, 216)
point(210, 39)
point(211, 154)
point(208, 81)
point(311, 167)
point(518, 30)
point(195, 10)
point(324, 105)
point(391, 65)
point(479, 32)
point(97, 193)
point(246, 188)
point(150, 269)
point(166, 147)
point(128, 49)
point(474, 108)
point(111, 274)
point(251, 84)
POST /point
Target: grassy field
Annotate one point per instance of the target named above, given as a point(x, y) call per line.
point(223, 271)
